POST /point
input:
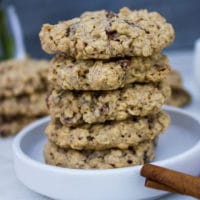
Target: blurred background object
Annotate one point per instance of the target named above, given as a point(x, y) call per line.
point(23, 89)
point(197, 62)
point(11, 37)
point(6, 41)
point(183, 14)
point(180, 97)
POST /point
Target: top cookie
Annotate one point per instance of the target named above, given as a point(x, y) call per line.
point(104, 34)
point(22, 77)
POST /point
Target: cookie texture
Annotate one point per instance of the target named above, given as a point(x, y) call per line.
point(22, 77)
point(88, 159)
point(73, 108)
point(116, 134)
point(70, 74)
point(31, 105)
point(104, 34)
point(10, 126)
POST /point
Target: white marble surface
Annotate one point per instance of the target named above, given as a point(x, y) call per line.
point(12, 189)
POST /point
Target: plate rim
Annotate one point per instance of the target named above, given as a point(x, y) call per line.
point(28, 160)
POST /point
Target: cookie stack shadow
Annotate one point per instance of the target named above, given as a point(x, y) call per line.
point(23, 88)
point(108, 78)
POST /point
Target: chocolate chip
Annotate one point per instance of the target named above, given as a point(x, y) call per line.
point(130, 148)
point(70, 66)
point(159, 67)
point(125, 63)
point(145, 157)
point(104, 108)
point(112, 165)
point(111, 34)
point(134, 119)
point(67, 120)
point(110, 14)
point(150, 122)
point(59, 164)
point(57, 124)
point(61, 94)
point(71, 29)
point(129, 161)
point(90, 138)
point(136, 25)
point(68, 32)
point(132, 24)
point(62, 54)
point(51, 154)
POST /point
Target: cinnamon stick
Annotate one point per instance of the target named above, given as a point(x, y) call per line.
point(180, 182)
point(159, 186)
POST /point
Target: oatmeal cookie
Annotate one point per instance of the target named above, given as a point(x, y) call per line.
point(22, 77)
point(73, 108)
point(70, 74)
point(89, 159)
point(104, 34)
point(32, 105)
point(10, 126)
point(115, 134)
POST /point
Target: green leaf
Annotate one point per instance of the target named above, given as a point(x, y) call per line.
point(6, 40)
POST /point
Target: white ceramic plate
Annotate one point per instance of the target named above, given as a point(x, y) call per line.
point(177, 149)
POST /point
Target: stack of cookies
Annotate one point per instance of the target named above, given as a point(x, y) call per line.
point(108, 91)
point(23, 88)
